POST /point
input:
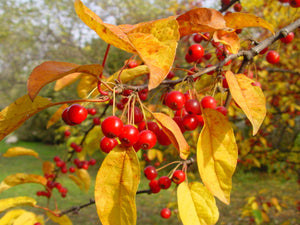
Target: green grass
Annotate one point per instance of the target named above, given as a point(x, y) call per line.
point(149, 206)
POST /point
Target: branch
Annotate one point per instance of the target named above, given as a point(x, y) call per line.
point(282, 71)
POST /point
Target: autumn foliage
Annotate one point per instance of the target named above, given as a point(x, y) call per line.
point(138, 90)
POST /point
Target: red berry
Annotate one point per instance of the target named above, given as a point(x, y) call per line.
point(60, 163)
point(207, 56)
point(72, 169)
point(208, 102)
point(138, 115)
point(107, 144)
point(256, 83)
point(294, 3)
point(77, 113)
point(221, 53)
point(85, 166)
point(164, 182)
point(76, 161)
point(143, 94)
point(146, 139)
point(151, 126)
point(56, 158)
point(197, 38)
point(284, 1)
point(188, 58)
point(178, 176)
point(132, 64)
point(224, 83)
point(150, 172)
point(170, 75)
point(165, 213)
point(78, 148)
point(190, 122)
point(73, 145)
point(196, 52)
point(64, 169)
point(222, 110)
point(288, 39)
point(112, 126)
point(237, 7)
point(96, 121)
point(192, 106)
point(92, 111)
point(154, 186)
point(175, 100)
point(129, 135)
point(67, 133)
point(200, 120)
point(162, 138)
point(181, 113)
point(272, 57)
point(92, 162)
point(65, 117)
point(179, 122)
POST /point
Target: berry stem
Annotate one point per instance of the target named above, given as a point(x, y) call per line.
point(104, 59)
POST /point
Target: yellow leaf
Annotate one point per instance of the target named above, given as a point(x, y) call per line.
point(217, 154)
point(241, 20)
point(156, 43)
point(85, 178)
point(19, 151)
point(111, 34)
point(250, 98)
point(27, 218)
point(56, 116)
point(16, 202)
point(77, 181)
point(196, 204)
point(230, 39)
point(128, 74)
point(66, 81)
point(62, 220)
point(92, 140)
point(116, 185)
point(154, 153)
point(10, 216)
point(50, 71)
point(276, 204)
point(174, 133)
point(14, 115)
point(21, 178)
point(48, 167)
point(200, 20)
point(86, 85)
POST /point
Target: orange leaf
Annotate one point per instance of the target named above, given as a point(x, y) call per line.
point(21, 178)
point(50, 71)
point(48, 167)
point(230, 39)
point(250, 98)
point(116, 185)
point(241, 20)
point(217, 154)
point(200, 20)
point(65, 81)
point(156, 43)
point(56, 116)
point(112, 34)
point(86, 85)
point(14, 115)
point(172, 130)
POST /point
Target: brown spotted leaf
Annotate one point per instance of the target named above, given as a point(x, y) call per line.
point(116, 185)
point(200, 20)
point(50, 71)
point(250, 98)
point(111, 34)
point(217, 154)
point(21, 178)
point(14, 115)
point(241, 20)
point(170, 127)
